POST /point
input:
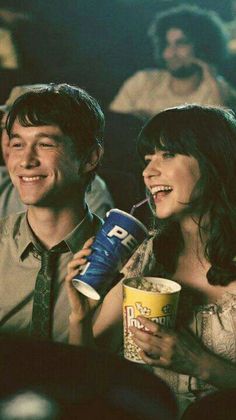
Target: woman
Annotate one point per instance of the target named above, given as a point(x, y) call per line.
point(189, 156)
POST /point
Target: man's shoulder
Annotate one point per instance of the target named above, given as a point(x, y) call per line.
point(227, 91)
point(149, 74)
point(98, 184)
point(11, 223)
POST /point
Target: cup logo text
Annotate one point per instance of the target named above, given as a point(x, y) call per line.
point(131, 321)
point(126, 238)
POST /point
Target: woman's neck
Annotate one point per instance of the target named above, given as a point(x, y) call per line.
point(194, 241)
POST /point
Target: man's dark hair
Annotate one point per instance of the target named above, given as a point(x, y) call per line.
point(71, 108)
point(203, 28)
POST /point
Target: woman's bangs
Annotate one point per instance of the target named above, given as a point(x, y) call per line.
point(174, 143)
point(166, 140)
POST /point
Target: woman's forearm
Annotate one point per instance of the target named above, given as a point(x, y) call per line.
point(218, 372)
point(80, 331)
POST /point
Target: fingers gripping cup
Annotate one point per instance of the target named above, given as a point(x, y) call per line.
point(116, 241)
point(152, 297)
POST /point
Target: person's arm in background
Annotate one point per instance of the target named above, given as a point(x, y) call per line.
point(8, 53)
point(126, 98)
point(227, 92)
point(99, 198)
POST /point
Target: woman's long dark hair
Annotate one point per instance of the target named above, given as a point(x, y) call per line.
point(209, 135)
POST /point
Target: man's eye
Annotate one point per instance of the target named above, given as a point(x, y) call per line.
point(46, 145)
point(15, 144)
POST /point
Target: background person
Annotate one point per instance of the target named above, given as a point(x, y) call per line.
point(185, 149)
point(189, 46)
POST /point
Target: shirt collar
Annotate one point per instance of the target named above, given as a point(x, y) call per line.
point(83, 231)
point(73, 241)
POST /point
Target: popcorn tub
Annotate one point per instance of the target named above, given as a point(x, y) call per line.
point(155, 298)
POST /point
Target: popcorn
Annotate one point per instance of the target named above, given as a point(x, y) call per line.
point(143, 283)
point(152, 297)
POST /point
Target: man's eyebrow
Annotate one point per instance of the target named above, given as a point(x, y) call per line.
point(56, 137)
point(38, 136)
point(14, 135)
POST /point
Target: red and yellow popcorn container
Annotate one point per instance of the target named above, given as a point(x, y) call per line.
point(158, 303)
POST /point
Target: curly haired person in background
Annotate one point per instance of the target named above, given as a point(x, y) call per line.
point(190, 45)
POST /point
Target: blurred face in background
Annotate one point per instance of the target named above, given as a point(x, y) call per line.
point(4, 138)
point(178, 54)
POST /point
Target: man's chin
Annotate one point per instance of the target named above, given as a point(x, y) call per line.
point(184, 72)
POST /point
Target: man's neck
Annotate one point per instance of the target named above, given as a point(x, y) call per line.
point(185, 86)
point(51, 226)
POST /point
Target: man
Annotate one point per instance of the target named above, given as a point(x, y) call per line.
point(189, 45)
point(56, 143)
point(97, 195)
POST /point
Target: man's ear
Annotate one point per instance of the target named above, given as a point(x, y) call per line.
point(94, 159)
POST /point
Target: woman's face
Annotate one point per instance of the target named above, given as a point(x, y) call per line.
point(171, 179)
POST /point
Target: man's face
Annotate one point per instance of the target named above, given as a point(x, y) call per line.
point(179, 54)
point(42, 164)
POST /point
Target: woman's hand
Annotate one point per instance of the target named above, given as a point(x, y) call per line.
point(80, 304)
point(178, 351)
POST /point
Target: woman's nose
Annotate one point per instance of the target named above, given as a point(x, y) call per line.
point(151, 170)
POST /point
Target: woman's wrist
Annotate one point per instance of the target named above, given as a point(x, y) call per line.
point(204, 368)
point(218, 372)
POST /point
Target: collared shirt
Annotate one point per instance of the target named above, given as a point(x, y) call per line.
point(19, 265)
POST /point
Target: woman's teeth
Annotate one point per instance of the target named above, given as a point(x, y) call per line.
point(160, 188)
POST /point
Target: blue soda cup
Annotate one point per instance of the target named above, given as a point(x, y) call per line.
point(114, 244)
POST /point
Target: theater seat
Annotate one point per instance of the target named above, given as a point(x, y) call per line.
point(80, 383)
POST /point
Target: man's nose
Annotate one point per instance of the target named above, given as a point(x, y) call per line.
point(169, 51)
point(29, 158)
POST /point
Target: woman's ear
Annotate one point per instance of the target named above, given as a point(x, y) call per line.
point(94, 159)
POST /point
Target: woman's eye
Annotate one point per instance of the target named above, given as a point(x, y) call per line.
point(147, 159)
point(168, 155)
